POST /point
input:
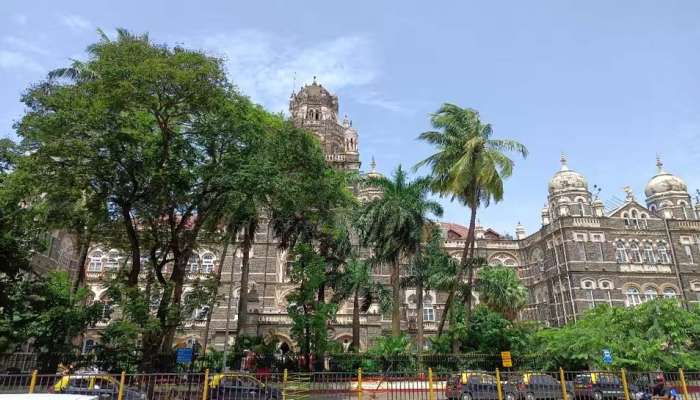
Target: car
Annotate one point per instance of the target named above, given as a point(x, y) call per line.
point(103, 386)
point(476, 386)
point(235, 386)
point(598, 386)
point(536, 386)
point(46, 396)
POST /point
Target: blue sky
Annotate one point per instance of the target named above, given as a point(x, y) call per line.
point(610, 83)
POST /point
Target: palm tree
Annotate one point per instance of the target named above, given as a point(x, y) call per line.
point(356, 281)
point(469, 166)
point(431, 268)
point(501, 290)
point(392, 227)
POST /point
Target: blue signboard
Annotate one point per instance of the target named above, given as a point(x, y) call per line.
point(607, 356)
point(183, 356)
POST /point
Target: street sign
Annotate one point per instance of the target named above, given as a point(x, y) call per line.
point(506, 359)
point(184, 355)
point(607, 356)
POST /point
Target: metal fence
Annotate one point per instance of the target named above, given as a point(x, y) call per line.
point(361, 385)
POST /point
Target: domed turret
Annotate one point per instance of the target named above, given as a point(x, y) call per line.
point(667, 195)
point(314, 103)
point(567, 180)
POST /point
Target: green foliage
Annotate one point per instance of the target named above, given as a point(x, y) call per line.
point(309, 316)
point(501, 290)
point(658, 334)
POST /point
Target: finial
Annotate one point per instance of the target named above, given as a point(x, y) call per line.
point(697, 196)
point(373, 164)
point(562, 159)
point(314, 79)
point(659, 164)
point(629, 193)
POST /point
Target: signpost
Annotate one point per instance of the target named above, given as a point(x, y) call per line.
point(506, 359)
point(184, 355)
point(607, 357)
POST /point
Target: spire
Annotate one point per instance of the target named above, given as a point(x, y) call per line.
point(373, 164)
point(314, 83)
point(564, 166)
point(659, 164)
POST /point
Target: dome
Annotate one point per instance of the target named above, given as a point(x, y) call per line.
point(663, 182)
point(373, 172)
point(567, 179)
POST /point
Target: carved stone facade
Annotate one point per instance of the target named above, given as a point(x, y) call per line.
point(581, 256)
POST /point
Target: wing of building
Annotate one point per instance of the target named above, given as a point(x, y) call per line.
point(582, 255)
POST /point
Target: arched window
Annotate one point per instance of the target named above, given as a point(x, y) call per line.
point(649, 256)
point(650, 293)
point(632, 297)
point(112, 261)
point(663, 253)
point(670, 293)
point(620, 252)
point(635, 255)
point(428, 309)
point(587, 284)
point(605, 284)
point(193, 264)
point(207, 263)
point(95, 262)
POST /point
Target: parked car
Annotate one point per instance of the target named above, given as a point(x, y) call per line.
point(537, 386)
point(598, 386)
point(476, 386)
point(233, 386)
point(102, 386)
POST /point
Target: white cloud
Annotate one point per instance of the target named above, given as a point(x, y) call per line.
point(265, 67)
point(15, 60)
point(75, 22)
point(372, 98)
point(21, 44)
point(19, 19)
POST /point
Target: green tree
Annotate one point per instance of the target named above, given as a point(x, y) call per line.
point(501, 290)
point(470, 166)
point(309, 316)
point(392, 227)
point(356, 282)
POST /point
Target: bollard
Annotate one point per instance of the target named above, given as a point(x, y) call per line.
point(625, 388)
point(284, 385)
point(205, 392)
point(32, 383)
point(498, 384)
point(564, 395)
point(120, 396)
point(685, 387)
point(359, 384)
point(431, 391)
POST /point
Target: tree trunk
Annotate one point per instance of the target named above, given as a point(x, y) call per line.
point(419, 317)
point(173, 314)
point(356, 322)
point(134, 244)
point(396, 298)
point(460, 272)
point(83, 248)
point(248, 237)
point(212, 303)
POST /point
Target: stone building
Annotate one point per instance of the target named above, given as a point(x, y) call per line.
point(582, 255)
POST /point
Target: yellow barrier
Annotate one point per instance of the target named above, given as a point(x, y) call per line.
point(498, 384)
point(359, 384)
point(564, 395)
point(32, 383)
point(431, 391)
point(625, 388)
point(284, 385)
point(685, 387)
point(205, 392)
point(120, 396)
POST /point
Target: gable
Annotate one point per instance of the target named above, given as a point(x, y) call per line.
point(629, 209)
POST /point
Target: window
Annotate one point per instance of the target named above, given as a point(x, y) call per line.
point(632, 297)
point(695, 286)
point(580, 237)
point(620, 252)
point(688, 253)
point(635, 255)
point(605, 284)
point(200, 313)
point(597, 237)
point(650, 293)
point(95, 262)
point(112, 261)
point(663, 253)
point(649, 253)
point(428, 310)
point(207, 263)
point(670, 293)
point(587, 284)
point(193, 264)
